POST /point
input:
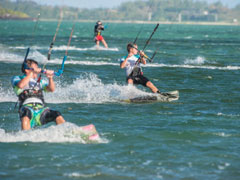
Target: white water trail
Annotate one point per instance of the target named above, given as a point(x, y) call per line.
point(197, 63)
point(66, 132)
point(70, 48)
point(88, 88)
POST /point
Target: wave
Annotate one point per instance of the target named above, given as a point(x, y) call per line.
point(188, 37)
point(66, 132)
point(9, 57)
point(197, 63)
point(15, 58)
point(88, 88)
point(228, 115)
point(94, 48)
point(7, 95)
point(70, 48)
point(195, 67)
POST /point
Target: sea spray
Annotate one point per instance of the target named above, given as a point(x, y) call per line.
point(66, 132)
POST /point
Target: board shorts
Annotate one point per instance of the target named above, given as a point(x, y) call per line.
point(98, 38)
point(38, 114)
point(139, 79)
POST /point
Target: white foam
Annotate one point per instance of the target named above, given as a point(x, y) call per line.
point(77, 174)
point(194, 66)
point(94, 48)
point(7, 95)
point(10, 57)
point(228, 115)
point(89, 89)
point(222, 134)
point(70, 48)
point(188, 37)
point(14, 58)
point(197, 61)
point(25, 47)
point(52, 134)
point(93, 63)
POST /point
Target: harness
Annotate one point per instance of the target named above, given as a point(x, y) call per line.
point(30, 93)
point(136, 70)
point(98, 29)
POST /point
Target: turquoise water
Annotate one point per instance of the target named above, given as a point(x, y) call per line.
point(196, 137)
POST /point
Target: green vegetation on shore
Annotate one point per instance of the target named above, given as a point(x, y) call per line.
point(10, 14)
point(160, 10)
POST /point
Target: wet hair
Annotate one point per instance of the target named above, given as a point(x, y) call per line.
point(130, 46)
point(26, 64)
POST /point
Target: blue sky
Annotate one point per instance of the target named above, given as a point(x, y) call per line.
point(112, 3)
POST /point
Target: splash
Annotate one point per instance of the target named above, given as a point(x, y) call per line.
point(194, 66)
point(188, 37)
point(89, 89)
point(94, 48)
point(7, 95)
point(67, 132)
point(10, 57)
point(198, 61)
point(70, 48)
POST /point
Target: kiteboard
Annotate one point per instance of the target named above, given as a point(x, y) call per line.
point(163, 97)
point(87, 133)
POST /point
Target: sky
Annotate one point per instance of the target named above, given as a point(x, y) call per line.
point(111, 3)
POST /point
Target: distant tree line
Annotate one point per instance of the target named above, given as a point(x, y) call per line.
point(151, 10)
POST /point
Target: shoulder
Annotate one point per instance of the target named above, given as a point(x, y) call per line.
point(134, 57)
point(123, 58)
point(15, 79)
point(137, 56)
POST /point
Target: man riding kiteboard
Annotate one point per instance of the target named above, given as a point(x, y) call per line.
point(97, 33)
point(132, 63)
point(29, 89)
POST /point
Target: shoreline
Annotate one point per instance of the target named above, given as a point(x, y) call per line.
point(155, 22)
point(134, 22)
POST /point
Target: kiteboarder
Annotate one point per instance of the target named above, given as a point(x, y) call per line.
point(29, 89)
point(97, 33)
point(132, 63)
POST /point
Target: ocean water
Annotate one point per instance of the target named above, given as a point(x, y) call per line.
point(196, 137)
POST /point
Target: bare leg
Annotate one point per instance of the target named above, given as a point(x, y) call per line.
point(104, 43)
point(97, 43)
point(60, 120)
point(26, 123)
point(152, 87)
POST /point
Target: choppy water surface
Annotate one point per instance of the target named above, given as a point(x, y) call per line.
point(196, 137)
